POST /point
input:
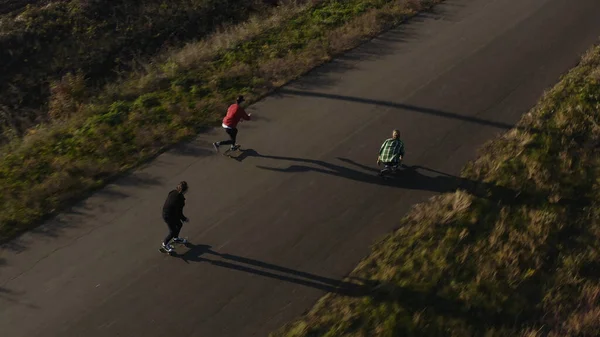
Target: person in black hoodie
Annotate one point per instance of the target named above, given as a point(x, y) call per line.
point(173, 215)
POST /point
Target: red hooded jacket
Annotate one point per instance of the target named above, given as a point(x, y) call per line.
point(234, 114)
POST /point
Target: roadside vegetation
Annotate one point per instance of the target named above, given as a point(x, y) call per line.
point(93, 134)
point(515, 252)
point(42, 41)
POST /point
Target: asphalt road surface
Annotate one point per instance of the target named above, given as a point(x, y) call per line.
point(274, 230)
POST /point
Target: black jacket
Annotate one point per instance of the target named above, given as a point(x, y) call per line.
point(173, 207)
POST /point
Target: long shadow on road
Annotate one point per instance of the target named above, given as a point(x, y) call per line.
point(408, 178)
point(407, 107)
point(198, 253)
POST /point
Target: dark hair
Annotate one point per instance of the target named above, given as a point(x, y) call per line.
point(240, 99)
point(182, 187)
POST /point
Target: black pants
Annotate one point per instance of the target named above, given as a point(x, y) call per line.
point(389, 166)
point(174, 229)
point(232, 135)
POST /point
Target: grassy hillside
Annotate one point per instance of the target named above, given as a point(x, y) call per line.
point(515, 254)
point(42, 42)
point(93, 138)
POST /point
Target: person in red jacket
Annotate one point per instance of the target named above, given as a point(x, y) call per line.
point(235, 114)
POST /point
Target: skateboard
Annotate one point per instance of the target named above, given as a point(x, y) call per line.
point(227, 153)
point(386, 176)
point(162, 250)
point(173, 252)
point(389, 172)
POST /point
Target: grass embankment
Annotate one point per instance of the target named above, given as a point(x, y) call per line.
point(517, 253)
point(41, 41)
point(95, 139)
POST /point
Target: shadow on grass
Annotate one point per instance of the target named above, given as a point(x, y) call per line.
point(412, 300)
point(590, 270)
point(480, 318)
point(509, 307)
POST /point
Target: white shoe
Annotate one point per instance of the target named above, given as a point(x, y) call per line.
point(168, 248)
point(179, 240)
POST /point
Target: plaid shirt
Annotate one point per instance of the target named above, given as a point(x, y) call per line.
point(390, 150)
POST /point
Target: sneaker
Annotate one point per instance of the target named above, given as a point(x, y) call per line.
point(235, 147)
point(179, 240)
point(216, 146)
point(167, 247)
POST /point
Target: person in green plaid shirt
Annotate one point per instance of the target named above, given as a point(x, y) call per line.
point(391, 151)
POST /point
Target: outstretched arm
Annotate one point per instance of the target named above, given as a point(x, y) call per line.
point(245, 115)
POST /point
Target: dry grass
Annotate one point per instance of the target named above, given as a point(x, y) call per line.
point(227, 37)
point(195, 55)
point(67, 96)
point(42, 42)
point(516, 254)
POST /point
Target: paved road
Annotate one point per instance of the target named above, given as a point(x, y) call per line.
point(275, 230)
